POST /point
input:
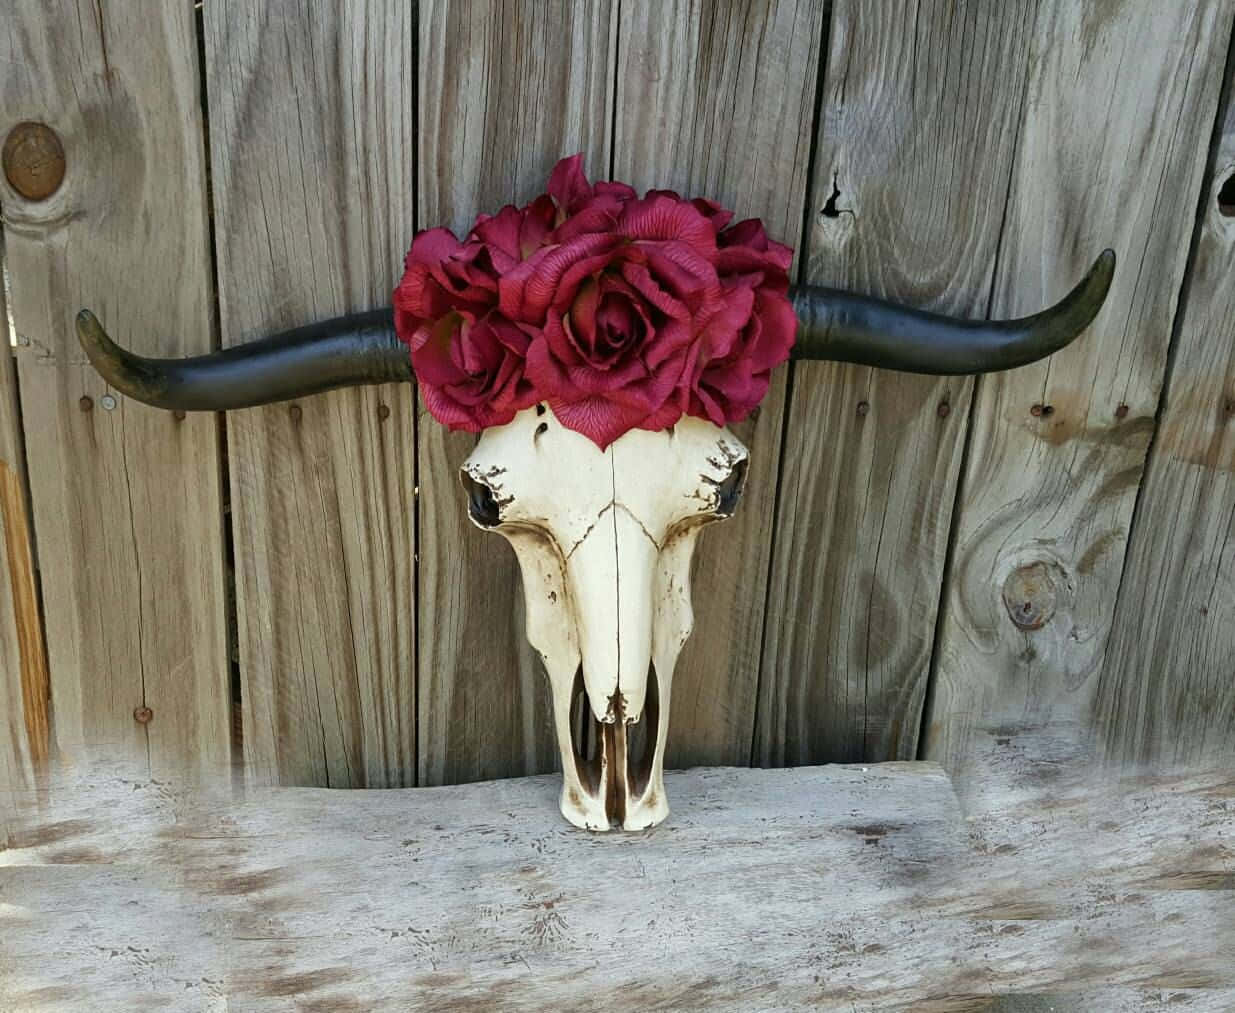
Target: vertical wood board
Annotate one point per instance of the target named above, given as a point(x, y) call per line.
point(1111, 151)
point(126, 499)
point(1166, 693)
point(24, 742)
point(312, 146)
point(717, 100)
point(507, 89)
point(914, 153)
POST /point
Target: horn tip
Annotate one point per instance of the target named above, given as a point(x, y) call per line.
point(1104, 267)
point(89, 331)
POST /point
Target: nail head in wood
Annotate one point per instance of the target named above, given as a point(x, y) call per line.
point(108, 402)
point(33, 160)
point(863, 408)
point(142, 715)
point(85, 402)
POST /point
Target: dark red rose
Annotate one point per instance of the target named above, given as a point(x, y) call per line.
point(468, 359)
point(471, 372)
point(731, 373)
point(618, 312)
point(622, 312)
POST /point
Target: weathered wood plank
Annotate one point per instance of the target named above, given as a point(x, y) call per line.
point(717, 100)
point(312, 147)
point(919, 113)
point(506, 89)
point(24, 691)
point(836, 888)
point(126, 499)
point(1167, 688)
point(1112, 149)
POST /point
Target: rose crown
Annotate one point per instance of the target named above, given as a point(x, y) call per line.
point(620, 312)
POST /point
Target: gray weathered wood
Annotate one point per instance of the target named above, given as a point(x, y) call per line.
point(1047, 497)
point(717, 100)
point(1167, 688)
point(23, 657)
point(125, 499)
point(312, 147)
point(507, 88)
point(915, 148)
point(836, 888)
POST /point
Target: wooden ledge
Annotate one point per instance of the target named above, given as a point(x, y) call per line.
point(829, 887)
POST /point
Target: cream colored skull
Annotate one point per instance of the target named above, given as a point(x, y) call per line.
point(604, 540)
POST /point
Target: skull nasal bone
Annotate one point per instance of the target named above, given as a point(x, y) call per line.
point(610, 574)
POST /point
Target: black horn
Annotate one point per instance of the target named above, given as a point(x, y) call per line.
point(362, 348)
point(844, 327)
point(357, 349)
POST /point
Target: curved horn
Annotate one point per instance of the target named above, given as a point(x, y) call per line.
point(845, 327)
point(356, 349)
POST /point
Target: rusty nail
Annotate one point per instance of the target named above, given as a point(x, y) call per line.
point(383, 412)
point(85, 402)
point(142, 715)
point(944, 410)
point(33, 160)
point(179, 414)
point(1121, 412)
point(108, 402)
point(863, 408)
point(1036, 410)
point(296, 413)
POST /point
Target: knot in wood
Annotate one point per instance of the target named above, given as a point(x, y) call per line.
point(33, 160)
point(1030, 596)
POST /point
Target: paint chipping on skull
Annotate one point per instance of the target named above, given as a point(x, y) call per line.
point(604, 541)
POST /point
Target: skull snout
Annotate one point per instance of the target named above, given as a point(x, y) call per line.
point(610, 574)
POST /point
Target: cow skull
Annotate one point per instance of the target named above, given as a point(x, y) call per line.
point(604, 540)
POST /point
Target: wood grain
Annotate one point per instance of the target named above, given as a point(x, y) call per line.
point(914, 154)
point(126, 500)
point(717, 100)
point(24, 690)
point(507, 88)
point(1111, 152)
point(1060, 892)
point(1166, 692)
point(312, 147)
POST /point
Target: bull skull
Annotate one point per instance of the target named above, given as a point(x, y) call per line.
point(604, 538)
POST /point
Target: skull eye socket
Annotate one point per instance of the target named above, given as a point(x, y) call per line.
point(482, 506)
point(729, 491)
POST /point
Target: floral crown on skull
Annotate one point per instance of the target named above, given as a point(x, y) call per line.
point(620, 312)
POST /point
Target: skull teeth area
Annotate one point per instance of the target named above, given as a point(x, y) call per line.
point(613, 759)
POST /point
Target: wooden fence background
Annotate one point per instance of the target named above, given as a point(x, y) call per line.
point(918, 563)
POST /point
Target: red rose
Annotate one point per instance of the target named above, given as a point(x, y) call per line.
point(731, 377)
point(468, 359)
point(620, 312)
point(471, 372)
